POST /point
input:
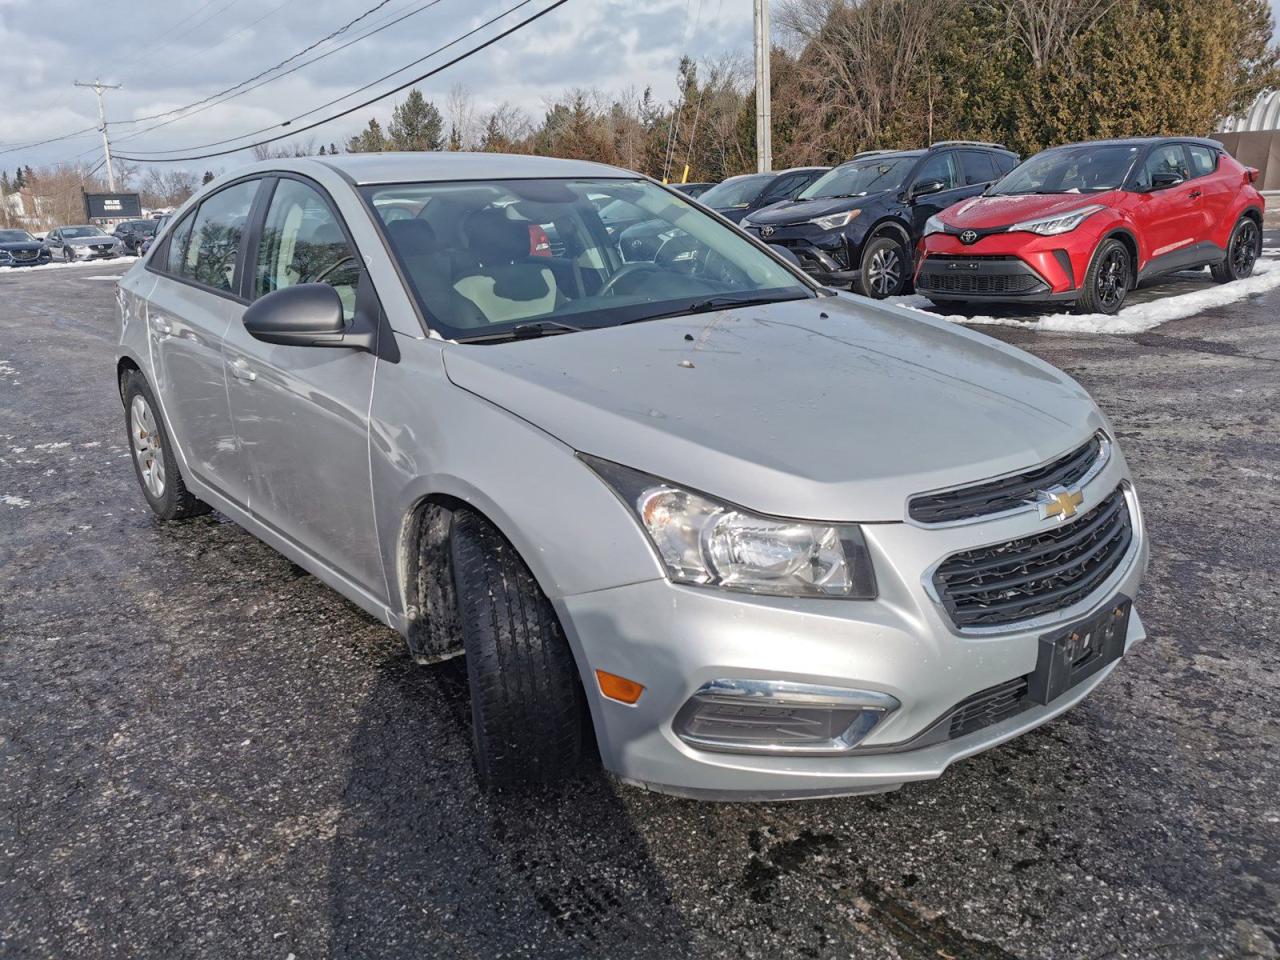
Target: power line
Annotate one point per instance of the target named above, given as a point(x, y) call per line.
point(360, 106)
point(204, 104)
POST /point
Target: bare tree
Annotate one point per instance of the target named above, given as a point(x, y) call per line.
point(460, 117)
point(1048, 29)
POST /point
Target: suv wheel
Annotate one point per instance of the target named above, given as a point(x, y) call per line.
point(885, 269)
point(1242, 252)
point(1107, 282)
point(526, 702)
point(153, 459)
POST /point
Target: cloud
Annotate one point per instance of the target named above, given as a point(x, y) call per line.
point(167, 54)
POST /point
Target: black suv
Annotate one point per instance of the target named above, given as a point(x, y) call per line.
point(859, 224)
point(134, 233)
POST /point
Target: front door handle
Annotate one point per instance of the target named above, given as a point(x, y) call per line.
point(1195, 194)
point(161, 327)
point(240, 370)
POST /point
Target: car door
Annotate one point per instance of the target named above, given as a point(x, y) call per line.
point(1218, 193)
point(1170, 219)
point(942, 167)
point(979, 171)
point(196, 298)
point(53, 240)
point(302, 413)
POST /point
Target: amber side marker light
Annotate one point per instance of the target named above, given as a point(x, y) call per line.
point(618, 688)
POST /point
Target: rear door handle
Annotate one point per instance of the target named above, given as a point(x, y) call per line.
point(240, 370)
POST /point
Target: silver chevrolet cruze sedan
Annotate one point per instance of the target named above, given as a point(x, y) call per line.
point(758, 539)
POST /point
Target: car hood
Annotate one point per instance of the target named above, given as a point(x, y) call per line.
point(15, 245)
point(984, 212)
point(834, 409)
point(799, 211)
point(86, 241)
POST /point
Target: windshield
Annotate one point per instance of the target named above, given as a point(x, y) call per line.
point(859, 178)
point(492, 260)
point(736, 191)
point(140, 226)
point(72, 232)
point(15, 236)
point(1085, 168)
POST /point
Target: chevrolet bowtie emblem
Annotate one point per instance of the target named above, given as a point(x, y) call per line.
point(1058, 502)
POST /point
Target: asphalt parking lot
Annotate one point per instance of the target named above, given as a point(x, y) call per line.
point(206, 753)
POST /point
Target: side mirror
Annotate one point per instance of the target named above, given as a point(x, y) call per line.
point(306, 315)
point(786, 253)
point(1164, 179)
point(927, 187)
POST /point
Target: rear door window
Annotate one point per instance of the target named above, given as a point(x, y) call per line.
point(214, 248)
point(1203, 160)
point(978, 167)
point(179, 237)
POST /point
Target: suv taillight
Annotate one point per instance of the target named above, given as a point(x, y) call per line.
point(539, 242)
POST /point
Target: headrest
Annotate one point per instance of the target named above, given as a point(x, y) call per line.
point(491, 237)
point(326, 234)
point(413, 238)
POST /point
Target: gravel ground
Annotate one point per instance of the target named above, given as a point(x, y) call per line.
point(206, 753)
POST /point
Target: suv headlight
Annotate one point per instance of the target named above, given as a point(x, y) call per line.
point(1058, 223)
point(834, 221)
point(934, 225)
point(706, 542)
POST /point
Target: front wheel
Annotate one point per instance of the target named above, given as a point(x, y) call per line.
point(1242, 252)
point(1108, 279)
point(67, 255)
point(526, 702)
point(885, 268)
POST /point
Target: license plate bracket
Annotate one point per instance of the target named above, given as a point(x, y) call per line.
point(1071, 654)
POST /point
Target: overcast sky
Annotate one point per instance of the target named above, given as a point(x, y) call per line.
point(168, 53)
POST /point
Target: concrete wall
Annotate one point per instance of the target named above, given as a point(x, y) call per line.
point(1259, 149)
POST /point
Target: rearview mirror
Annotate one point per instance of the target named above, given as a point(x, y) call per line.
point(305, 315)
point(1164, 179)
point(928, 186)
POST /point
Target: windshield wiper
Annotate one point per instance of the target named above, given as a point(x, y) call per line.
point(715, 303)
point(526, 331)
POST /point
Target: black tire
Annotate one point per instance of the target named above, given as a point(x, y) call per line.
point(526, 702)
point(885, 270)
point(1108, 279)
point(149, 446)
point(67, 255)
point(1243, 250)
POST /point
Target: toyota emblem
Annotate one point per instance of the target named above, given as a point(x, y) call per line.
point(969, 236)
point(766, 231)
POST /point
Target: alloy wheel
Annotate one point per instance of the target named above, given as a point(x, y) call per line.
point(147, 450)
point(1244, 249)
point(884, 272)
point(1112, 278)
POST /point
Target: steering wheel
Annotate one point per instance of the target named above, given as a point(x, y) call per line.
point(630, 270)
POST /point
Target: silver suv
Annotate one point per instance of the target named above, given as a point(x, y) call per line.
point(757, 539)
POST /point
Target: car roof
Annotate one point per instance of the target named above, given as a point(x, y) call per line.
point(364, 168)
point(1139, 142)
point(883, 156)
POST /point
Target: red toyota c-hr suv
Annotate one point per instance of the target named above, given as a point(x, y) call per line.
point(1085, 223)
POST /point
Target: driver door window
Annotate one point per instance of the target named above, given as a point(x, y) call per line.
point(303, 242)
point(941, 166)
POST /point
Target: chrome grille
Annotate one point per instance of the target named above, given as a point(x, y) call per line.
point(1031, 576)
point(1010, 492)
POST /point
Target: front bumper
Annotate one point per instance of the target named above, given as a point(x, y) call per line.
point(823, 254)
point(1005, 267)
point(37, 260)
point(675, 639)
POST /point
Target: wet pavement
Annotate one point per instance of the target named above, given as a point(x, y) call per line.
point(206, 753)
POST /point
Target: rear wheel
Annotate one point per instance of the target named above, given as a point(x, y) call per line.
point(1107, 282)
point(526, 702)
point(885, 269)
point(153, 460)
point(1242, 252)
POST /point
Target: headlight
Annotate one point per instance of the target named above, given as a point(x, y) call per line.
point(834, 221)
point(934, 225)
point(1058, 223)
point(704, 542)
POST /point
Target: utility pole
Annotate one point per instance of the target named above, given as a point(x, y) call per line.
point(764, 125)
point(97, 87)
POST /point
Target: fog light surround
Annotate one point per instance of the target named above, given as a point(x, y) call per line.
point(780, 717)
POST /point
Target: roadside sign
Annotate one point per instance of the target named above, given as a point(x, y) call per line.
point(112, 206)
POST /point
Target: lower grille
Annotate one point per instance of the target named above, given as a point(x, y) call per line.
point(1003, 584)
point(989, 706)
point(978, 283)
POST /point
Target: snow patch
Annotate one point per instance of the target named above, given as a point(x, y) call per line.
point(12, 501)
point(60, 265)
point(1134, 319)
point(52, 446)
point(112, 278)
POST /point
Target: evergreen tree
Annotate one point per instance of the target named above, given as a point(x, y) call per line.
point(207, 178)
point(416, 124)
point(370, 140)
point(19, 181)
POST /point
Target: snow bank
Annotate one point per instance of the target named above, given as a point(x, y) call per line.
point(60, 265)
point(1134, 319)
